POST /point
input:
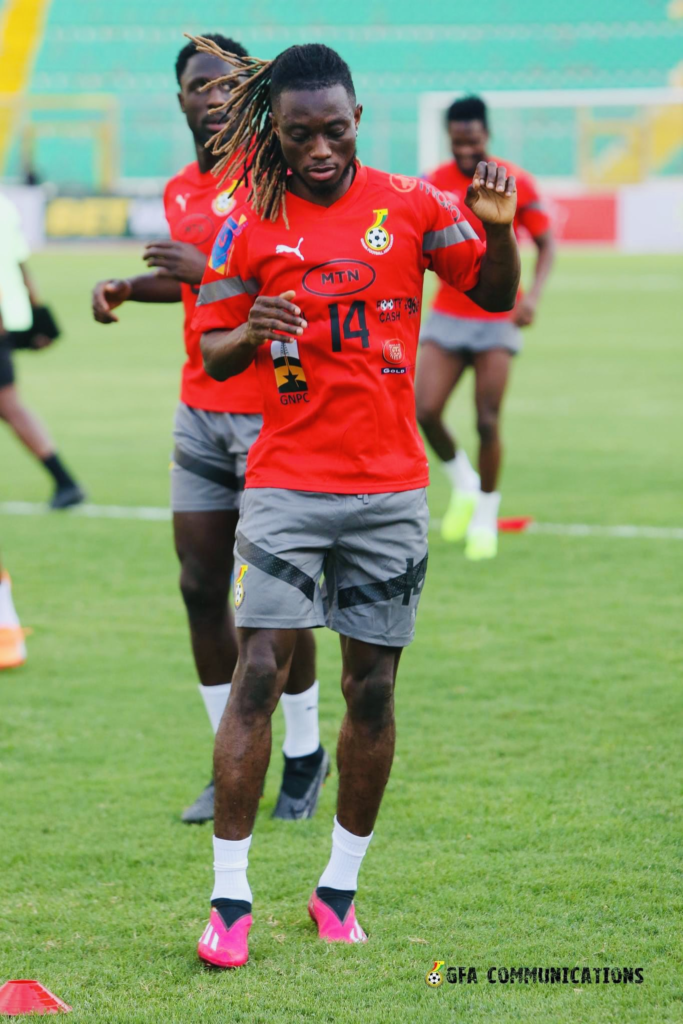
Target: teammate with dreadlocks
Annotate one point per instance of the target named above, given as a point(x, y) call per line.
point(318, 284)
point(214, 426)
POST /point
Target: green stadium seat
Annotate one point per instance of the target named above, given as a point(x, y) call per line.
point(396, 51)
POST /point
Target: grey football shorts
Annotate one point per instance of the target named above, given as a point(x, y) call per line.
point(209, 458)
point(463, 336)
point(370, 548)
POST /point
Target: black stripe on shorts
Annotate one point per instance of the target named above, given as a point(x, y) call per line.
point(215, 474)
point(407, 584)
point(275, 566)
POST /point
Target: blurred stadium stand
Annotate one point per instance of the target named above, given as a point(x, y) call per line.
point(87, 90)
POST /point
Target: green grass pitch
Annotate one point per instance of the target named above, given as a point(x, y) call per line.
point(533, 817)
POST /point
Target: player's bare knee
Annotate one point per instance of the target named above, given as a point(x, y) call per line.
point(370, 698)
point(428, 415)
point(203, 592)
point(487, 426)
point(258, 687)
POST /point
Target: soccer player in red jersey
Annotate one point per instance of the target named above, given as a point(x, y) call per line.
point(317, 283)
point(215, 425)
point(459, 333)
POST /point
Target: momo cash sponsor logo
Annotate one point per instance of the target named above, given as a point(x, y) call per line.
point(289, 373)
point(377, 239)
point(231, 229)
point(339, 277)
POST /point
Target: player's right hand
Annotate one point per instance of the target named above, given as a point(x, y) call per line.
point(274, 317)
point(180, 260)
point(107, 295)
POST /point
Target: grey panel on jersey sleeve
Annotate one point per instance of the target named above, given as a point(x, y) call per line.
point(216, 291)
point(453, 234)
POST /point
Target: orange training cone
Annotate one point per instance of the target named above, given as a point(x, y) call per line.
point(20, 997)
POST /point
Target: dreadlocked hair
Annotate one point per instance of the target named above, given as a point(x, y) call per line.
point(248, 148)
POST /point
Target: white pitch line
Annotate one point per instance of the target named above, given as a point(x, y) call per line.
point(585, 530)
point(153, 514)
point(27, 508)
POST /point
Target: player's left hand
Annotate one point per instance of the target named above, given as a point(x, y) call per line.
point(180, 260)
point(524, 312)
point(492, 194)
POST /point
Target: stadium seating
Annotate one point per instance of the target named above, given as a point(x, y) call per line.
point(126, 50)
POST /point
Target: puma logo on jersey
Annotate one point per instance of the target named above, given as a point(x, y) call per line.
point(288, 248)
point(181, 200)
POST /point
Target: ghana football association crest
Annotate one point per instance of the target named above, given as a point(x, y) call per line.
point(377, 239)
point(434, 978)
point(224, 203)
point(239, 585)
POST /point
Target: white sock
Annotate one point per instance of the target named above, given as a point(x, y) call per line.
point(347, 856)
point(461, 473)
point(230, 859)
point(302, 735)
point(8, 614)
point(486, 512)
point(215, 698)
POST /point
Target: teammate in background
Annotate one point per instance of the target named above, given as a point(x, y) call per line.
point(18, 297)
point(458, 333)
point(215, 425)
point(12, 643)
point(299, 284)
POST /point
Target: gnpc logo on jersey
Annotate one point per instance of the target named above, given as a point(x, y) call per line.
point(377, 239)
point(289, 373)
point(434, 978)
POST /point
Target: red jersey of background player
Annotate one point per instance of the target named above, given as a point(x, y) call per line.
point(339, 408)
point(530, 215)
point(195, 210)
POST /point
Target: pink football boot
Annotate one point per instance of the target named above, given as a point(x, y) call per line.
point(330, 927)
point(225, 947)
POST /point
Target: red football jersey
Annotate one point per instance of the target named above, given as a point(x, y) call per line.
point(530, 215)
point(339, 408)
point(195, 210)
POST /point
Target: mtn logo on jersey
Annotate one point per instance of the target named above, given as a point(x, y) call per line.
point(377, 239)
point(228, 233)
point(224, 203)
point(195, 228)
point(289, 373)
point(338, 277)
